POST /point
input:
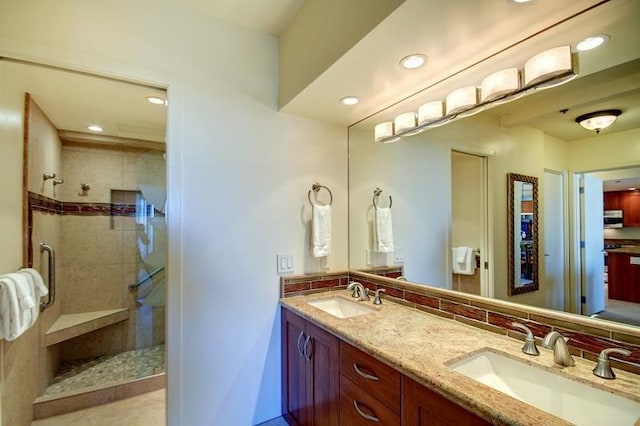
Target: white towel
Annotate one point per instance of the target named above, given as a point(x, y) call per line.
point(384, 230)
point(10, 311)
point(41, 289)
point(321, 231)
point(25, 289)
point(468, 264)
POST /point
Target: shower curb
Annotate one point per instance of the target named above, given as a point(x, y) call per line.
point(66, 402)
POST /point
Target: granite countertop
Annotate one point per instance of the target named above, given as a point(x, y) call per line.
point(625, 249)
point(421, 345)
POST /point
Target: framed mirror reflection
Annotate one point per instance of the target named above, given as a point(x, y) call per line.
point(522, 233)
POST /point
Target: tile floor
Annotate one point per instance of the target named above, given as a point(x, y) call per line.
point(108, 369)
point(143, 410)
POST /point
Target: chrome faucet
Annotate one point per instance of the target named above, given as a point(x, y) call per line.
point(376, 299)
point(557, 342)
point(529, 347)
point(603, 368)
point(358, 290)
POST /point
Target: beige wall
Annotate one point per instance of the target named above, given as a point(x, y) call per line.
point(323, 31)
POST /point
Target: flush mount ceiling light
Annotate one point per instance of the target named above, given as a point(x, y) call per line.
point(384, 132)
point(598, 120)
point(592, 42)
point(94, 128)
point(156, 100)
point(412, 62)
point(549, 68)
point(349, 100)
point(500, 84)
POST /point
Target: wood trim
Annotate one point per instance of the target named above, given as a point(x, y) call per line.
point(72, 138)
point(27, 253)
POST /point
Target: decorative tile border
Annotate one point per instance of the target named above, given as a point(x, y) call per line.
point(313, 283)
point(49, 205)
point(586, 337)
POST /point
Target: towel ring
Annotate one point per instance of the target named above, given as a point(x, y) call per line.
point(316, 188)
point(376, 194)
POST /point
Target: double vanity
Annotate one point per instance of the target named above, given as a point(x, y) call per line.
point(347, 361)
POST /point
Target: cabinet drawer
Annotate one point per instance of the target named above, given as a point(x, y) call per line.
point(358, 407)
point(379, 380)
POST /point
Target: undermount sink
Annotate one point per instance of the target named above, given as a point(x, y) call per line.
point(570, 400)
point(341, 307)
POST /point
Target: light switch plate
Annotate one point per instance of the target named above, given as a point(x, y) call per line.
point(634, 260)
point(284, 264)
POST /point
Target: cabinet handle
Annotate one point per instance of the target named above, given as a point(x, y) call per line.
point(365, 415)
point(299, 339)
point(307, 354)
point(363, 374)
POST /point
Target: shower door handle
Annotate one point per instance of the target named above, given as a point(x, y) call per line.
point(52, 275)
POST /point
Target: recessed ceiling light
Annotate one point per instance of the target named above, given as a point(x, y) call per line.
point(349, 100)
point(632, 189)
point(412, 62)
point(94, 128)
point(156, 100)
point(592, 42)
point(522, 1)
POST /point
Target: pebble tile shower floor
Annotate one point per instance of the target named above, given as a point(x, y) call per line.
point(108, 369)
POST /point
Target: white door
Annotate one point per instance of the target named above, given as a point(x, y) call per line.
point(554, 240)
point(593, 252)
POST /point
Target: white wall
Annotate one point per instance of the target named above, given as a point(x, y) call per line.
point(238, 175)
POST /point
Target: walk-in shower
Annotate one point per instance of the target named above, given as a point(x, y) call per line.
point(100, 200)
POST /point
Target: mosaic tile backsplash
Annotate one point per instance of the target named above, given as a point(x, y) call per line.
point(586, 337)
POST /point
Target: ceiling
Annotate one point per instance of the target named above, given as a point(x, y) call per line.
point(459, 34)
point(73, 101)
point(268, 16)
point(453, 36)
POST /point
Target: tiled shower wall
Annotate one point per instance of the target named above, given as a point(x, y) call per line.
point(101, 241)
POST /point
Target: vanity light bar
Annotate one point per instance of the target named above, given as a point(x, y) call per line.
point(546, 69)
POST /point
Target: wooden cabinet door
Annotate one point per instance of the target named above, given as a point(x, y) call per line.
point(323, 377)
point(631, 208)
point(294, 366)
point(611, 200)
point(623, 277)
point(310, 375)
point(423, 407)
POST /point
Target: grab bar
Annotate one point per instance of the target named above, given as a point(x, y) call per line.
point(149, 277)
point(52, 275)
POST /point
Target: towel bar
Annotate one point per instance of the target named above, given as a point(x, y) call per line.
point(316, 188)
point(376, 194)
point(52, 275)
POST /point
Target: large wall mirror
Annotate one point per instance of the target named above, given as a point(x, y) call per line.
point(523, 233)
point(535, 135)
